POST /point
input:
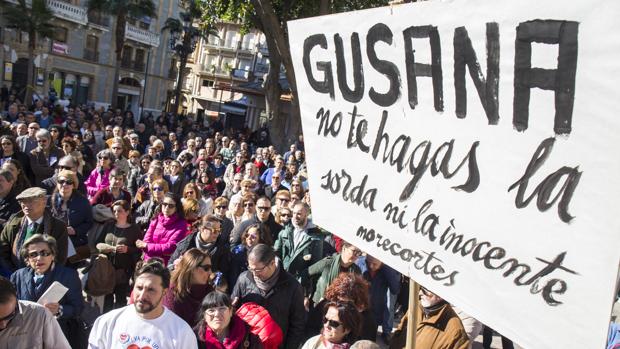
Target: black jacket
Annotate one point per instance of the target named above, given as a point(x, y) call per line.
point(284, 302)
point(8, 207)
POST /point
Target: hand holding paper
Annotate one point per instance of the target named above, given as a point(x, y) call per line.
point(53, 294)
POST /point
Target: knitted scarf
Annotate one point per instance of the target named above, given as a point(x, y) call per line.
point(267, 285)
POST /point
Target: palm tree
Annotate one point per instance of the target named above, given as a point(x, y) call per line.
point(35, 21)
point(122, 9)
point(184, 35)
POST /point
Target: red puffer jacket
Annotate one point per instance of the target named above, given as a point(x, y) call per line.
point(261, 324)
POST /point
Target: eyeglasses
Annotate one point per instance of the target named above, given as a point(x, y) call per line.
point(65, 181)
point(285, 214)
point(211, 228)
point(263, 208)
point(42, 253)
point(258, 270)
point(331, 323)
point(355, 251)
point(205, 267)
point(214, 311)
point(168, 204)
point(158, 189)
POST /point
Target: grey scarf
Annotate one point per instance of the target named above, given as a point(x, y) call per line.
point(267, 285)
point(203, 246)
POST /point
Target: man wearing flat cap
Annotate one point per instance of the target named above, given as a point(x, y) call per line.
point(34, 218)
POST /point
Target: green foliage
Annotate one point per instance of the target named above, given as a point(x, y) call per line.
point(243, 10)
point(125, 8)
point(32, 20)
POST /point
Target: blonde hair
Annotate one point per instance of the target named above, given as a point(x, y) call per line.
point(190, 205)
point(69, 175)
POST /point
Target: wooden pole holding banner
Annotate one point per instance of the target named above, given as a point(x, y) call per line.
point(412, 322)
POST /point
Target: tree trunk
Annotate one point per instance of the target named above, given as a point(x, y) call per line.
point(119, 42)
point(272, 27)
point(324, 7)
point(272, 98)
point(32, 41)
point(177, 90)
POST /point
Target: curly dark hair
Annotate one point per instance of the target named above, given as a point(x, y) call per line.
point(349, 287)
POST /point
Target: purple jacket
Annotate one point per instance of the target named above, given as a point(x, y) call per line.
point(96, 181)
point(163, 235)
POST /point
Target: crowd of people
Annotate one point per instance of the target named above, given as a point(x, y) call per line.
point(206, 233)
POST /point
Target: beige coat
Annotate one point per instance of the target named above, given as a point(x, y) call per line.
point(443, 330)
point(33, 327)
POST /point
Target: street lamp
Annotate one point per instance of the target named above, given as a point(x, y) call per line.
point(183, 42)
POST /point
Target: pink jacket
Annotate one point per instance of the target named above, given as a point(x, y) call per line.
point(97, 181)
point(163, 235)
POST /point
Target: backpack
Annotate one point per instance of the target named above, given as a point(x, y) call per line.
point(101, 276)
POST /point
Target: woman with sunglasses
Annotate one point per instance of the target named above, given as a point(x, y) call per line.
point(146, 211)
point(15, 167)
point(72, 208)
point(100, 177)
point(10, 150)
point(235, 210)
point(205, 205)
point(31, 282)
point(346, 288)
point(249, 238)
point(249, 206)
point(137, 173)
point(119, 244)
point(189, 284)
point(341, 326)
point(283, 216)
point(165, 231)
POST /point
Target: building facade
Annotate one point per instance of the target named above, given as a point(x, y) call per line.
point(219, 69)
point(78, 61)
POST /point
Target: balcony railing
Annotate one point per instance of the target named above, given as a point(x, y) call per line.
point(140, 35)
point(63, 10)
point(91, 55)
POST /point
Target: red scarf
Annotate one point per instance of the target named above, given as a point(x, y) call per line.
point(235, 339)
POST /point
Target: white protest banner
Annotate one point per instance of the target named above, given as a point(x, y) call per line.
point(471, 144)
